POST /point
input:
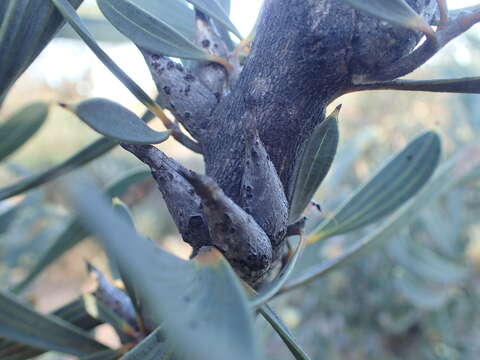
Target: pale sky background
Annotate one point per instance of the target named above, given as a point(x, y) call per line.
point(65, 59)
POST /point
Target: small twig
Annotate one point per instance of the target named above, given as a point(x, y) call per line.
point(448, 31)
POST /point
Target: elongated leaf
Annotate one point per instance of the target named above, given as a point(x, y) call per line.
point(20, 127)
point(315, 163)
point(8, 212)
point(420, 293)
point(450, 174)
point(26, 27)
point(73, 312)
point(226, 5)
point(20, 323)
point(84, 156)
point(100, 28)
point(283, 331)
point(148, 31)
point(216, 11)
point(202, 302)
point(75, 232)
point(153, 347)
point(114, 121)
point(394, 11)
point(392, 186)
point(467, 85)
point(76, 23)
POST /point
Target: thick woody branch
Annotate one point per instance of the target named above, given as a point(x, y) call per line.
point(453, 28)
point(183, 204)
point(185, 96)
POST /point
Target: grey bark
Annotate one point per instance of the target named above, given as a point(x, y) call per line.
point(306, 54)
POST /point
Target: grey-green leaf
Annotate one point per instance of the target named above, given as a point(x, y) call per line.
point(26, 27)
point(394, 11)
point(117, 122)
point(73, 312)
point(283, 331)
point(315, 163)
point(392, 186)
point(21, 126)
point(202, 302)
point(20, 323)
point(133, 19)
point(153, 347)
point(216, 11)
point(75, 232)
point(84, 156)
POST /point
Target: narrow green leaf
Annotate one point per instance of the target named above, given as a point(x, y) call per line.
point(283, 331)
point(216, 11)
point(153, 347)
point(394, 11)
point(75, 232)
point(115, 121)
point(76, 23)
point(84, 156)
point(393, 185)
point(466, 85)
point(133, 19)
point(100, 28)
point(202, 301)
point(449, 175)
point(20, 323)
point(315, 163)
point(26, 27)
point(73, 312)
point(21, 126)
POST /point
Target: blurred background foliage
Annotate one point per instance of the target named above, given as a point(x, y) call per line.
point(415, 298)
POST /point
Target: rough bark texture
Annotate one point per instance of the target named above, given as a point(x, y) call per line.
point(252, 130)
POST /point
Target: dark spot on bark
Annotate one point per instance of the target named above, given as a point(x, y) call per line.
point(170, 65)
point(187, 90)
point(187, 115)
point(155, 57)
point(189, 77)
point(409, 157)
point(172, 106)
point(167, 90)
point(215, 45)
point(206, 43)
point(217, 96)
point(179, 67)
point(195, 221)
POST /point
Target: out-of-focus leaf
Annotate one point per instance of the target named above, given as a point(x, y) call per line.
point(226, 5)
point(20, 127)
point(202, 302)
point(75, 231)
point(392, 186)
point(20, 323)
point(84, 156)
point(8, 211)
point(73, 312)
point(315, 163)
point(467, 85)
point(26, 27)
point(115, 121)
point(394, 11)
point(104, 355)
point(420, 293)
point(424, 263)
point(76, 23)
point(101, 30)
point(283, 331)
point(133, 19)
point(153, 347)
point(216, 11)
point(449, 175)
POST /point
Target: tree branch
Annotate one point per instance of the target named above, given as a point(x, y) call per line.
point(453, 28)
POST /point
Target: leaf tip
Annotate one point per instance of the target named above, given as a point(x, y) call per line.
point(209, 256)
